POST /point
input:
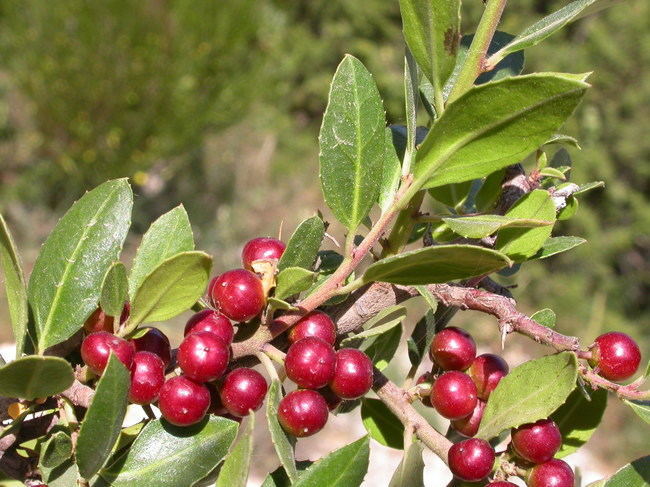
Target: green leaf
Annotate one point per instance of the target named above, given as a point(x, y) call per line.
point(381, 424)
point(103, 421)
point(589, 186)
point(530, 392)
point(409, 472)
point(420, 340)
point(33, 377)
point(56, 450)
point(452, 195)
point(381, 348)
point(65, 475)
point(494, 125)
point(65, 284)
point(521, 243)
point(557, 245)
point(352, 143)
point(562, 139)
point(438, 264)
point(391, 174)
point(234, 472)
point(484, 225)
point(279, 477)
point(511, 65)
point(14, 286)
point(275, 303)
point(115, 290)
point(169, 235)
point(283, 447)
point(641, 408)
point(293, 280)
point(382, 322)
point(173, 287)
point(164, 455)
point(553, 173)
point(578, 418)
point(634, 474)
point(303, 245)
point(487, 195)
point(345, 467)
point(545, 317)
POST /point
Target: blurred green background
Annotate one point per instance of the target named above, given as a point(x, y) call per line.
point(218, 104)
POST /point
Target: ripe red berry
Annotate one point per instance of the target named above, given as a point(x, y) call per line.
point(100, 321)
point(303, 412)
point(154, 341)
point(212, 321)
point(315, 324)
point(353, 374)
point(238, 294)
point(310, 363)
point(96, 349)
point(537, 442)
point(203, 357)
point(183, 402)
point(468, 426)
point(501, 483)
point(486, 371)
point(453, 395)
point(471, 460)
point(616, 355)
point(262, 248)
point(452, 349)
point(147, 377)
point(554, 473)
point(243, 390)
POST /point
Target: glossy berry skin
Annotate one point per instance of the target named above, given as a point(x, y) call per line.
point(310, 363)
point(453, 349)
point(468, 426)
point(554, 473)
point(471, 460)
point(243, 390)
point(154, 341)
point(486, 371)
point(96, 349)
point(262, 248)
point(537, 442)
point(501, 483)
point(616, 355)
point(183, 402)
point(353, 374)
point(212, 321)
point(238, 294)
point(100, 321)
point(453, 395)
point(147, 378)
point(203, 357)
point(303, 412)
point(315, 324)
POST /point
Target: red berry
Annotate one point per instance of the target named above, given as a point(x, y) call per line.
point(262, 248)
point(537, 442)
point(100, 321)
point(96, 349)
point(310, 363)
point(468, 426)
point(315, 324)
point(183, 402)
point(238, 294)
point(331, 399)
point(616, 355)
point(452, 349)
point(353, 374)
point(486, 371)
point(471, 460)
point(427, 377)
point(554, 473)
point(154, 341)
point(212, 321)
point(501, 483)
point(147, 377)
point(243, 390)
point(203, 357)
point(453, 395)
point(303, 412)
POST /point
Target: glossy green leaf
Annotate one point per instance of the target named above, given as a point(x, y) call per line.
point(14, 286)
point(391, 174)
point(283, 446)
point(101, 425)
point(385, 320)
point(553, 173)
point(487, 195)
point(557, 245)
point(641, 408)
point(164, 455)
point(484, 225)
point(293, 280)
point(169, 235)
point(381, 424)
point(563, 139)
point(578, 419)
point(452, 195)
point(494, 125)
point(634, 474)
point(55, 450)
point(545, 317)
point(65, 284)
point(234, 472)
point(420, 340)
point(303, 245)
point(345, 467)
point(115, 290)
point(521, 243)
point(173, 287)
point(33, 376)
point(529, 392)
point(438, 264)
point(352, 143)
point(381, 348)
point(410, 471)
